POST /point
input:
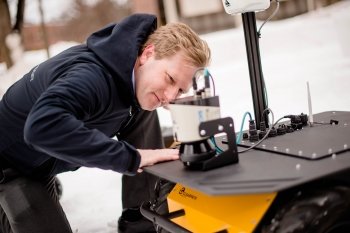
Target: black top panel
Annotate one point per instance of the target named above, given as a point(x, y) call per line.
point(317, 142)
point(264, 171)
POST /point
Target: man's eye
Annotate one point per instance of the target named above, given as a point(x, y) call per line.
point(180, 92)
point(172, 81)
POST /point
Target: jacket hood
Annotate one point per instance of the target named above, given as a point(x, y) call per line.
point(117, 45)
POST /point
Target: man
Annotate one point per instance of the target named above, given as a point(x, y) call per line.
point(64, 112)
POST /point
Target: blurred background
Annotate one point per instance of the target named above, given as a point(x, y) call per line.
point(36, 25)
point(306, 41)
point(41, 23)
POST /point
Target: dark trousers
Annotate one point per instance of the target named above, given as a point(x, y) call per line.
point(30, 206)
point(144, 133)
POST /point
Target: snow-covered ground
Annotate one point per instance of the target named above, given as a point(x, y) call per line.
point(314, 47)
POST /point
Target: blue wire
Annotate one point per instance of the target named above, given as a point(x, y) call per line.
point(217, 149)
point(239, 137)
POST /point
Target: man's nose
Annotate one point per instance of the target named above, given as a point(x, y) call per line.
point(171, 93)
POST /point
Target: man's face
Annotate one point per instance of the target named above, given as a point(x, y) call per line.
point(160, 81)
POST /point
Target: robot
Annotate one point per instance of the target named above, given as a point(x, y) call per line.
point(289, 183)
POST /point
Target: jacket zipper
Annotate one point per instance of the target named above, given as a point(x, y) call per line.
point(127, 120)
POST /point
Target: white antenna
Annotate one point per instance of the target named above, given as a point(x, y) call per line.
point(311, 117)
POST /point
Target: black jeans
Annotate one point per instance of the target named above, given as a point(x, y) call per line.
point(143, 133)
point(30, 205)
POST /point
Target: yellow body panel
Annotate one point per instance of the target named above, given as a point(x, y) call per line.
point(204, 213)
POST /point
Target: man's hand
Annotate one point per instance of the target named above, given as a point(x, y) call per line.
point(150, 157)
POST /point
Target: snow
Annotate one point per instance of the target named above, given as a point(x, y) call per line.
point(92, 199)
point(313, 47)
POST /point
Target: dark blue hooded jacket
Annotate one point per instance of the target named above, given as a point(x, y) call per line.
point(64, 112)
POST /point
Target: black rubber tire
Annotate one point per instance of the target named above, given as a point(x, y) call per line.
point(324, 210)
point(160, 205)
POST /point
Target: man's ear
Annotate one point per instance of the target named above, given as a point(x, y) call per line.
point(146, 53)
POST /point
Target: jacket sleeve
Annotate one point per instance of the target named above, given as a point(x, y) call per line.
point(55, 123)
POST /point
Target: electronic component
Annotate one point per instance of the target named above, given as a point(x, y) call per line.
point(236, 7)
point(196, 119)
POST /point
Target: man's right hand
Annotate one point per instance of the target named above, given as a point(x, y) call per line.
point(151, 157)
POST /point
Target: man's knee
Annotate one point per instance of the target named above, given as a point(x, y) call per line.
point(18, 199)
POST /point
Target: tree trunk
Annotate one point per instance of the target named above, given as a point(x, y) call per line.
point(19, 16)
point(43, 29)
point(5, 29)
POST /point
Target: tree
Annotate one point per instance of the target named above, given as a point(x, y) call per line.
point(43, 29)
point(6, 28)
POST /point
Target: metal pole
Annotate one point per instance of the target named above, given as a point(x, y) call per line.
point(254, 64)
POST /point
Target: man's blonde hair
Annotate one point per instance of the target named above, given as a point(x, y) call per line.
point(174, 37)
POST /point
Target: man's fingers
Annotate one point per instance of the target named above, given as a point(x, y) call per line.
point(171, 151)
point(168, 154)
point(150, 157)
